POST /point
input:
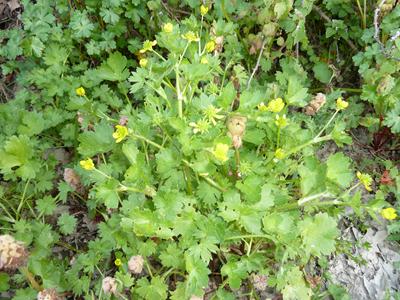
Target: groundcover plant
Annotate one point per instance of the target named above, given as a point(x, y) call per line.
point(171, 149)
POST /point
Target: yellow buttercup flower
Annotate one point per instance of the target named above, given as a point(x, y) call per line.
point(204, 60)
point(221, 152)
point(203, 10)
point(262, 107)
point(120, 133)
point(366, 180)
point(276, 105)
point(168, 27)
point(148, 46)
point(191, 36)
point(118, 262)
point(87, 164)
point(389, 213)
point(341, 104)
point(210, 46)
point(143, 62)
point(80, 91)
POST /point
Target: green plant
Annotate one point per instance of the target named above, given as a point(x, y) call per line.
point(147, 159)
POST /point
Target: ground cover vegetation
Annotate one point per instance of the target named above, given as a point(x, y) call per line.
point(169, 149)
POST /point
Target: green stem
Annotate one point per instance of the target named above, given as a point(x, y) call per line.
point(309, 143)
point(278, 137)
point(31, 279)
point(21, 203)
point(327, 124)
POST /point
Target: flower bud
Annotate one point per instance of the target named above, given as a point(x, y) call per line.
point(13, 253)
point(135, 264)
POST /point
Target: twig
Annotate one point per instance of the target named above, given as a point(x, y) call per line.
point(257, 64)
point(327, 19)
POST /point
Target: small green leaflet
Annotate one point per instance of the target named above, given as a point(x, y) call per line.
point(338, 170)
point(154, 290)
point(322, 72)
point(98, 141)
point(107, 192)
point(67, 223)
point(114, 69)
point(319, 234)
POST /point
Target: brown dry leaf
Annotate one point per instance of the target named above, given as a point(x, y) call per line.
point(315, 104)
point(73, 179)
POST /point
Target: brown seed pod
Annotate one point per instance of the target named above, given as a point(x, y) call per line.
point(13, 253)
point(49, 294)
point(236, 127)
point(135, 264)
point(109, 285)
point(73, 179)
point(315, 105)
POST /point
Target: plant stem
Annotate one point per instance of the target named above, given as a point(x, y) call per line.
point(31, 279)
point(327, 124)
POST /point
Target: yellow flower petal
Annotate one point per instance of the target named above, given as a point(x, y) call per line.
point(168, 28)
point(221, 152)
point(87, 164)
point(366, 180)
point(389, 213)
point(341, 104)
point(143, 62)
point(118, 262)
point(120, 133)
point(80, 91)
point(276, 105)
point(203, 10)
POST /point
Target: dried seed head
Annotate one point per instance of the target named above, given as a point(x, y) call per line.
point(219, 44)
point(72, 178)
point(49, 294)
point(109, 285)
point(236, 128)
point(259, 282)
point(315, 105)
point(135, 264)
point(13, 254)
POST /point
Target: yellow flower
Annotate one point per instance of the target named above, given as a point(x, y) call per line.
point(118, 262)
point(204, 60)
point(120, 133)
point(203, 10)
point(211, 113)
point(281, 121)
point(262, 107)
point(279, 154)
point(191, 36)
point(143, 62)
point(366, 180)
point(221, 152)
point(389, 213)
point(87, 164)
point(341, 104)
point(276, 105)
point(148, 46)
point(80, 91)
point(210, 46)
point(168, 27)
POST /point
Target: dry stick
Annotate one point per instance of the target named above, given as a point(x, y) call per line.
point(378, 30)
point(327, 19)
point(257, 64)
